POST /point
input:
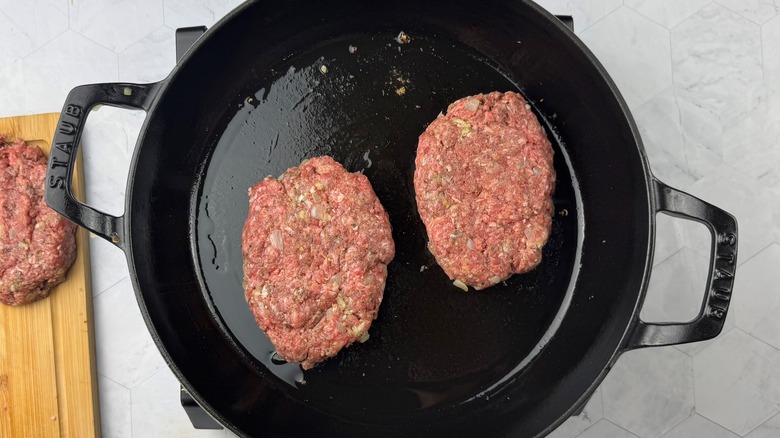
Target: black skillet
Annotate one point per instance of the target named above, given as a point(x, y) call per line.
point(273, 84)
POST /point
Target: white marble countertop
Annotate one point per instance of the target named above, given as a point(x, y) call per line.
point(700, 77)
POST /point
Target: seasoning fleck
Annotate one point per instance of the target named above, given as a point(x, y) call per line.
point(403, 38)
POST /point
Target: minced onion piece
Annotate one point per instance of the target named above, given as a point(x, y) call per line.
point(276, 240)
point(470, 244)
point(319, 212)
point(472, 105)
point(460, 285)
point(465, 127)
point(495, 279)
point(363, 337)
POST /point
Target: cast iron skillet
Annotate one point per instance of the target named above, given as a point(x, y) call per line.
point(271, 85)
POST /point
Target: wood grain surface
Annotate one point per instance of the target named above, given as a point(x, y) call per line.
point(48, 379)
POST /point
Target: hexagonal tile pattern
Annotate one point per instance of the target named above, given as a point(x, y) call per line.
point(702, 131)
point(649, 391)
point(770, 38)
point(737, 383)
point(750, 202)
point(158, 413)
point(14, 43)
point(716, 59)
point(605, 429)
point(667, 13)
point(127, 354)
point(185, 13)
point(576, 424)
point(105, 275)
point(756, 297)
point(105, 146)
point(769, 429)
point(757, 11)
point(774, 193)
point(12, 90)
point(584, 12)
point(671, 233)
point(696, 425)
point(115, 24)
point(631, 46)
point(693, 348)
point(683, 142)
point(658, 121)
point(56, 68)
point(114, 409)
point(150, 59)
point(28, 25)
point(676, 288)
point(750, 138)
point(771, 178)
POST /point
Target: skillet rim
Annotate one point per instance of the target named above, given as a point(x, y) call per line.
point(562, 30)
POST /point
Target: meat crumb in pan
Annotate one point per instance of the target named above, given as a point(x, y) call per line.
point(483, 182)
point(316, 245)
point(37, 245)
point(403, 38)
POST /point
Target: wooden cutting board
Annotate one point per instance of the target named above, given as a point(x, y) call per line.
point(48, 379)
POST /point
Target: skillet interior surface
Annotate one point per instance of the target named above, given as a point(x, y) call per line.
point(439, 360)
point(432, 344)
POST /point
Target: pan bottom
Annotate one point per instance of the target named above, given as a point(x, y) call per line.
point(364, 99)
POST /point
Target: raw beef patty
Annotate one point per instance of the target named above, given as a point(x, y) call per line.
point(37, 245)
point(316, 245)
point(483, 181)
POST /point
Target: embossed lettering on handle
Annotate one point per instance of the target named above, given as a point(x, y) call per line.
point(63, 147)
point(720, 280)
point(69, 129)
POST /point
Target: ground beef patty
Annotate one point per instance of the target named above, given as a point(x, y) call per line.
point(316, 245)
point(483, 183)
point(37, 245)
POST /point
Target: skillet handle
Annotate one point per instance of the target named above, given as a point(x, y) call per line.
point(59, 195)
point(720, 279)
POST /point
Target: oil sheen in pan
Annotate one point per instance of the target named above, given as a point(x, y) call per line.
point(431, 344)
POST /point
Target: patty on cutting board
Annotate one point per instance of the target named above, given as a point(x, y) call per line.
point(37, 245)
